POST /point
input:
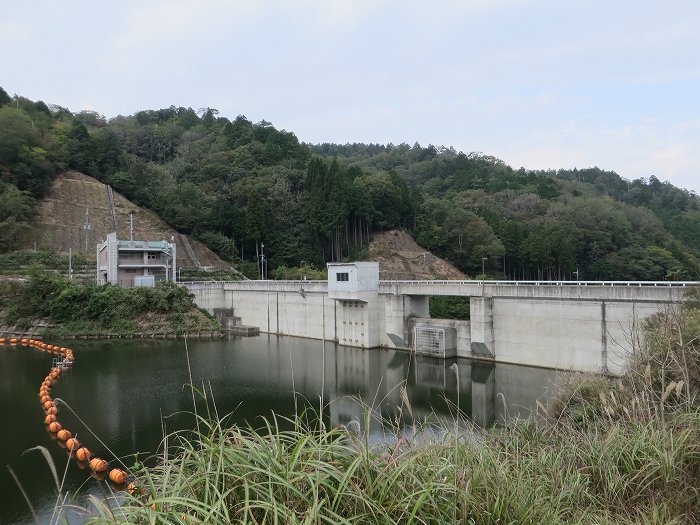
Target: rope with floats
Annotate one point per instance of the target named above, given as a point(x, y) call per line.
point(63, 359)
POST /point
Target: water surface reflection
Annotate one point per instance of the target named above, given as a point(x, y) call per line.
point(121, 393)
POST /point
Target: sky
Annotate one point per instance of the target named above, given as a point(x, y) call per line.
point(543, 84)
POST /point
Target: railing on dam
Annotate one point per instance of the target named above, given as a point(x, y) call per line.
point(270, 282)
point(538, 283)
point(614, 290)
point(261, 286)
point(644, 290)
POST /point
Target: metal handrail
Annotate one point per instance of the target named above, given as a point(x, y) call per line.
point(252, 282)
point(542, 283)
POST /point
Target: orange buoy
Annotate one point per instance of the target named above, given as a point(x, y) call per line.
point(53, 410)
point(13, 341)
point(98, 465)
point(72, 444)
point(48, 404)
point(64, 434)
point(82, 454)
point(118, 476)
point(54, 426)
point(49, 419)
point(24, 342)
point(2, 340)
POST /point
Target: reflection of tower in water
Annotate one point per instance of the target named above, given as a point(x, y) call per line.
point(367, 381)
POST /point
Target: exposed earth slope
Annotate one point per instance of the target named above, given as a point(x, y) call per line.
point(75, 197)
point(400, 257)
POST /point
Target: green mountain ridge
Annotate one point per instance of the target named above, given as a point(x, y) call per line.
point(235, 185)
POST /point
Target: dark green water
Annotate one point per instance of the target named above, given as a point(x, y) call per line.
point(123, 392)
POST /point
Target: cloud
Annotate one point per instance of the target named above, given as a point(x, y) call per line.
point(634, 151)
point(542, 83)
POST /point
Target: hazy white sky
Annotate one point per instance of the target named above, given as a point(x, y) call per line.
point(538, 83)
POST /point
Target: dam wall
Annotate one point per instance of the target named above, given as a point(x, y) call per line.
point(582, 326)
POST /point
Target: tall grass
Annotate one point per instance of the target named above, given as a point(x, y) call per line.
point(531, 472)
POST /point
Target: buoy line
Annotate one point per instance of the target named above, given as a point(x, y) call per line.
point(99, 468)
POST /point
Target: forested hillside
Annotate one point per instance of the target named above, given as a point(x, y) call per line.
point(235, 185)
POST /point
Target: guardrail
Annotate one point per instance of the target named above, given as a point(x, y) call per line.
point(542, 283)
point(253, 282)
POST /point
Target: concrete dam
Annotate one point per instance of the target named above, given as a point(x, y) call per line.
point(570, 325)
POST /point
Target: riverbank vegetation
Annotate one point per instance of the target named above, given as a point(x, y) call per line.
point(235, 184)
point(69, 308)
point(603, 451)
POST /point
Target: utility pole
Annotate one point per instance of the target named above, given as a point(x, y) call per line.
point(87, 226)
point(257, 259)
point(131, 227)
point(262, 261)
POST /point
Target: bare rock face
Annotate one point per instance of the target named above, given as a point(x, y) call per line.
point(400, 257)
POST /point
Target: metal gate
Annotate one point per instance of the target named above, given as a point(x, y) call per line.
point(438, 341)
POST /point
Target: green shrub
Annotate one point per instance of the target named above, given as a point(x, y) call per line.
point(309, 272)
point(90, 309)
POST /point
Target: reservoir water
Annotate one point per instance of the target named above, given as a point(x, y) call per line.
point(123, 394)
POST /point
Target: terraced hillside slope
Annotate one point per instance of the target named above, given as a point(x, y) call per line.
point(400, 257)
point(76, 198)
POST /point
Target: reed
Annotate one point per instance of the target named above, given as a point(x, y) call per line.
point(534, 471)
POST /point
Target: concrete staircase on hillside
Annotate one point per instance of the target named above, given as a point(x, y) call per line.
point(183, 242)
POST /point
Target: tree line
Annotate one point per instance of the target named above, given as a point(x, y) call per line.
point(235, 185)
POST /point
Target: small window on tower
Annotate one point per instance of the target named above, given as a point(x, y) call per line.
point(342, 277)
